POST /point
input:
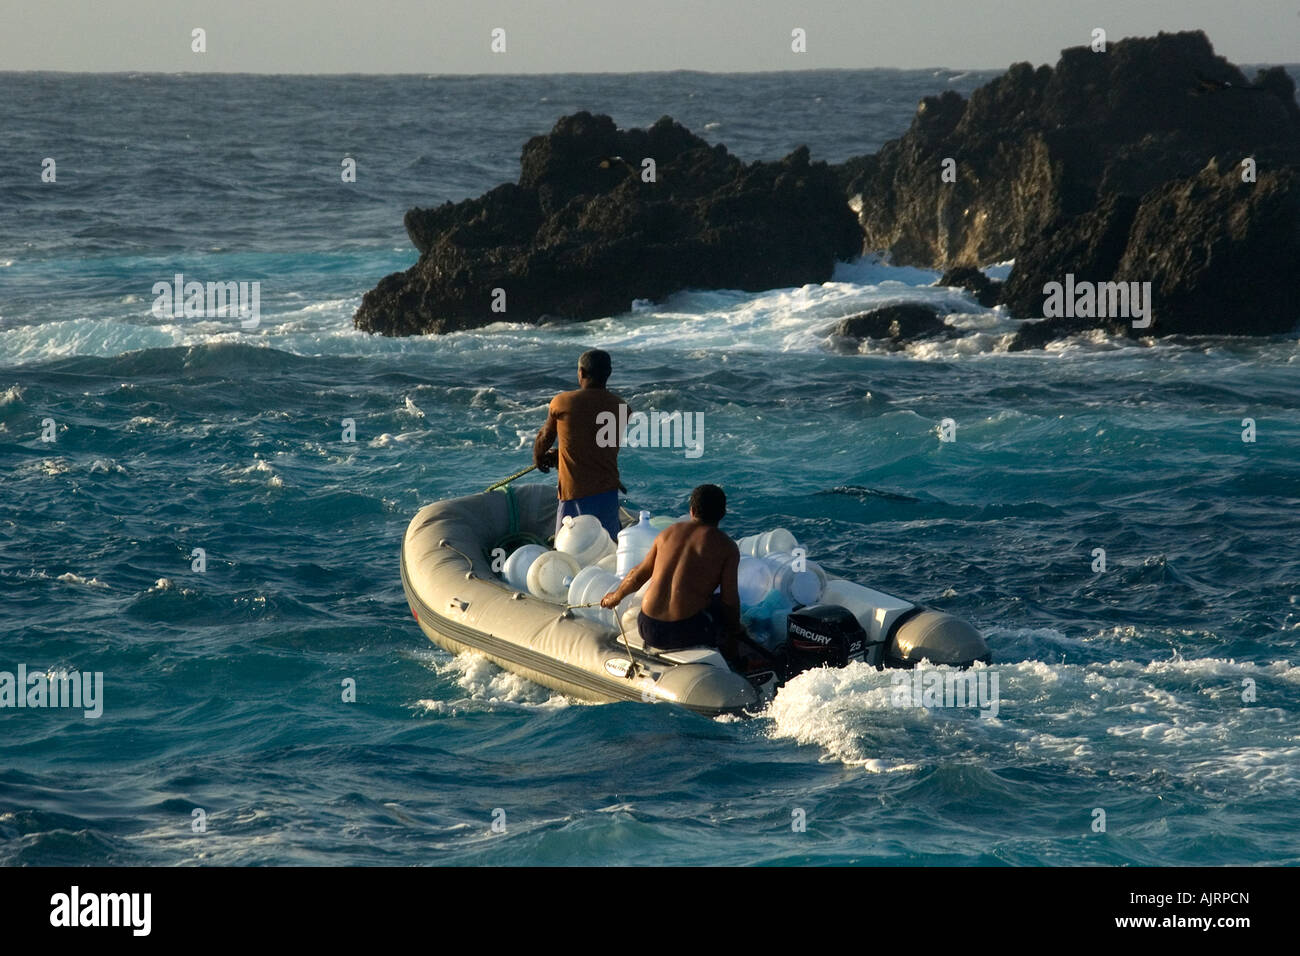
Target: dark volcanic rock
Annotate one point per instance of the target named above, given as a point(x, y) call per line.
point(1222, 255)
point(987, 291)
point(1035, 335)
point(1123, 166)
point(898, 323)
point(1035, 148)
point(1088, 246)
point(581, 235)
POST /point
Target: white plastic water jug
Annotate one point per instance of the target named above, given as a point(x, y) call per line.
point(608, 563)
point(634, 543)
point(550, 575)
point(628, 610)
point(515, 570)
point(659, 522)
point(630, 626)
point(798, 587)
point(585, 538)
point(754, 579)
point(769, 542)
point(588, 586)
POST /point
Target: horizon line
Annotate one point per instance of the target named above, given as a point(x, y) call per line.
point(537, 73)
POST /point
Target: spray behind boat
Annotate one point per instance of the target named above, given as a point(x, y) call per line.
point(875, 629)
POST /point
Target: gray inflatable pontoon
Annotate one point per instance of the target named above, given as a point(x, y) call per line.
point(461, 605)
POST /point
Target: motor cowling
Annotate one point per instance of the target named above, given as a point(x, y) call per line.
point(825, 635)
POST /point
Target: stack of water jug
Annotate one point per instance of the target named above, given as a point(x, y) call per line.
point(774, 574)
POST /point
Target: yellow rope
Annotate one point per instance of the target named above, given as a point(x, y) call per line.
point(505, 481)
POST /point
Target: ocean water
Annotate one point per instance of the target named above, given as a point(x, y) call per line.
point(1164, 690)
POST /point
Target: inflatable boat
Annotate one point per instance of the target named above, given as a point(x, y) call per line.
point(447, 559)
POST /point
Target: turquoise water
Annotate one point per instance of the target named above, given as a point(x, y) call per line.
point(1120, 690)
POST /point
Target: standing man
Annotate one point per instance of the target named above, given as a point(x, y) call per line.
point(587, 458)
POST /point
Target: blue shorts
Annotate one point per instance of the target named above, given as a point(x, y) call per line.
point(604, 506)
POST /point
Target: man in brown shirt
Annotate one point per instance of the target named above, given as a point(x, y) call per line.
point(586, 424)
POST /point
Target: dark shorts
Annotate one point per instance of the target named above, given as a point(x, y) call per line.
point(604, 506)
point(702, 630)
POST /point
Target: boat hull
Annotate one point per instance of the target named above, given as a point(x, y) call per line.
point(461, 606)
point(447, 562)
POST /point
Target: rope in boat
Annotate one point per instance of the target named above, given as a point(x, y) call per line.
point(505, 481)
point(632, 670)
point(519, 474)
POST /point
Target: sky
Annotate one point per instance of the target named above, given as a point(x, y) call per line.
point(559, 36)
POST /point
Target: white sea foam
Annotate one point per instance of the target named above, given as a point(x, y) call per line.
point(386, 439)
point(70, 578)
point(791, 320)
point(830, 708)
point(1186, 717)
point(484, 681)
point(256, 470)
point(440, 707)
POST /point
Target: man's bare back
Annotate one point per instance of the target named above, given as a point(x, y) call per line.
point(688, 562)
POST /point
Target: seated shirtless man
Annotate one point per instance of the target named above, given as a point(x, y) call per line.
point(688, 561)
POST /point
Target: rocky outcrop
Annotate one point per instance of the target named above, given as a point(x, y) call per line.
point(905, 322)
point(583, 233)
point(1121, 166)
point(1222, 255)
point(1037, 335)
point(985, 291)
point(1116, 166)
point(1216, 255)
point(1089, 247)
point(1036, 147)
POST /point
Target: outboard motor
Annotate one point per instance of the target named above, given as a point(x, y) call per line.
point(826, 635)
